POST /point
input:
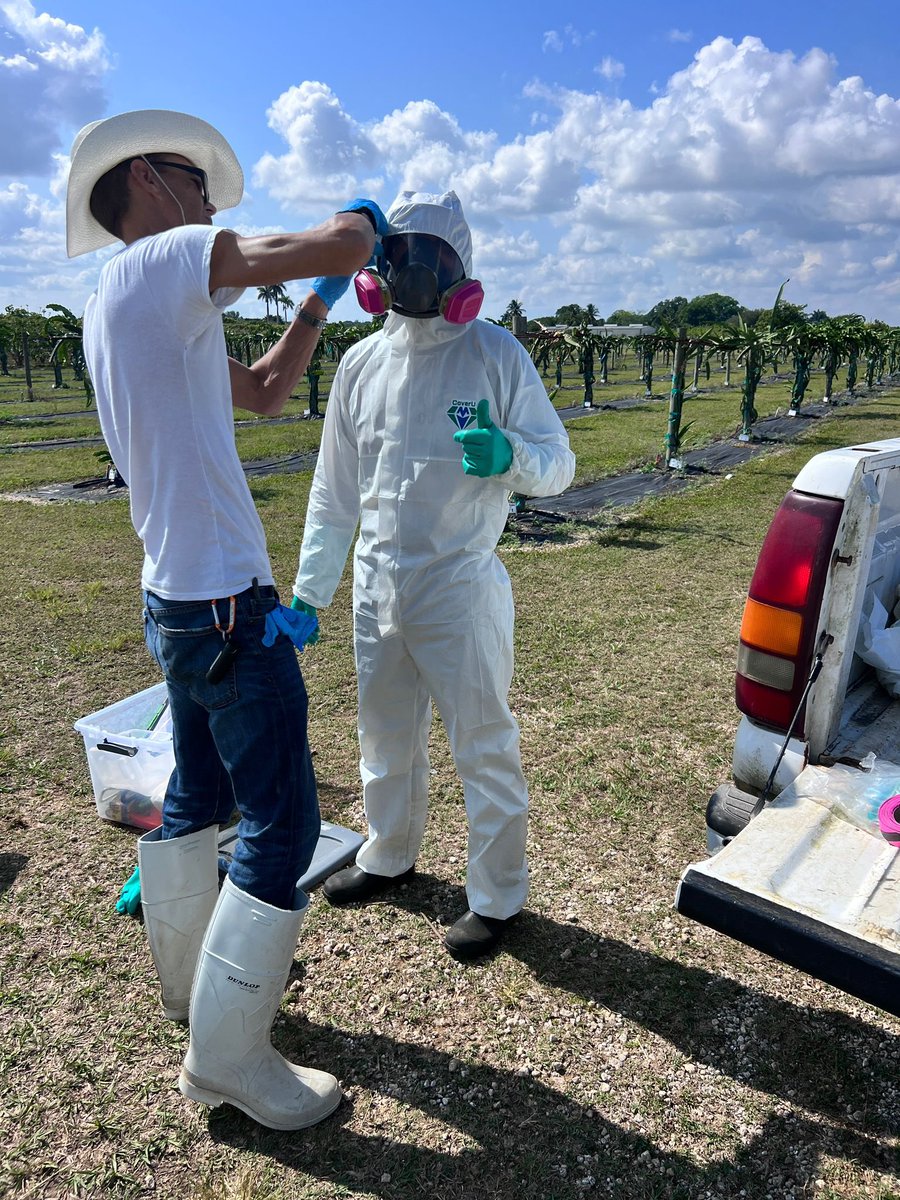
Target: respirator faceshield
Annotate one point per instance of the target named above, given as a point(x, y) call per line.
point(419, 275)
point(419, 268)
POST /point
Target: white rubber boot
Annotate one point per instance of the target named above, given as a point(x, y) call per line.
point(243, 967)
point(179, 889)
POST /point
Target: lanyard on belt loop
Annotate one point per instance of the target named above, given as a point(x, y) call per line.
point(232, 610)
point(224, 660)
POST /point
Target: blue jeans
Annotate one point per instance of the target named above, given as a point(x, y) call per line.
point(239, 742)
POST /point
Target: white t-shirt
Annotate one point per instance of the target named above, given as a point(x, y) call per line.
point(156, 353)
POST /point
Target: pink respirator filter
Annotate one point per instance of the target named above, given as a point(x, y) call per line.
point(371, 293)
point(462, 303)
point(889, 820)
point(459, 304)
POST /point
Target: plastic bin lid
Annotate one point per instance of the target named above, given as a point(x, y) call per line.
point(336, 847)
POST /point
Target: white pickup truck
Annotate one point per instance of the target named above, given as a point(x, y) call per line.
point(799, 866)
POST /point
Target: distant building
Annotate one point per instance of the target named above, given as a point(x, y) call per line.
point(625, 331)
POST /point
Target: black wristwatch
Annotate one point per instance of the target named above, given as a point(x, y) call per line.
point(300, 314)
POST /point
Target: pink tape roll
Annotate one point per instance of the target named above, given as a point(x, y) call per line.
point(889, 820)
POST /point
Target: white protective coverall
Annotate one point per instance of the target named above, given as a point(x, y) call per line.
point(433, 606)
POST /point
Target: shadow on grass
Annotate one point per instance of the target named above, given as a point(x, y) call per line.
point(494, 1132)
point(530, 1142)
point(10, 866)
point(823, 1061)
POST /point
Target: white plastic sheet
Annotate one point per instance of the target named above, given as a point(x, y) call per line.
point(878, 644)
point(852, 794)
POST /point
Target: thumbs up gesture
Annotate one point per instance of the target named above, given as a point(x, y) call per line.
point(486, 449)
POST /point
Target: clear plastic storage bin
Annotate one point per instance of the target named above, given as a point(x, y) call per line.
point(130, 757)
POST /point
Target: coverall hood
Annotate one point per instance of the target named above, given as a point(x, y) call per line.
point(440, 215)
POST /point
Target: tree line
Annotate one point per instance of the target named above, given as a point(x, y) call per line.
point(714, 308)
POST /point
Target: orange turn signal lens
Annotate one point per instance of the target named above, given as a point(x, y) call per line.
point(769, 628)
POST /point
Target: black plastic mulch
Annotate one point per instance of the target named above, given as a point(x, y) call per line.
point(64, 443)
point(99, 489)
point(710, 461)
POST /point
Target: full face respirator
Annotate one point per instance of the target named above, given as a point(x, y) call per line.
point(419, 275)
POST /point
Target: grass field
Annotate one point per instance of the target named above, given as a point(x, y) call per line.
point(612, 1049)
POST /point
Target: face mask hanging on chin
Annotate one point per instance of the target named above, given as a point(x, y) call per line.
point(459, 304)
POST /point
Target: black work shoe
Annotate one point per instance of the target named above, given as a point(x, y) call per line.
point(353, 885)
point(473, 935)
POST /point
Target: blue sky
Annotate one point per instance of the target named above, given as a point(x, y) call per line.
point(609, 153)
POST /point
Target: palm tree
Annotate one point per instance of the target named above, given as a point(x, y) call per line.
point(268, 293)
point(514, 317)
point(281, 299)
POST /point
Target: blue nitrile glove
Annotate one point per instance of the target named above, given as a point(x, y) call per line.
point(486, 449)
point(129, 900)
point(299, 605)
point(298, 626)
point(371, 209)
point(330, 288)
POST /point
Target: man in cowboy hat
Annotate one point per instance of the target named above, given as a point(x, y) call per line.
point(165, 388)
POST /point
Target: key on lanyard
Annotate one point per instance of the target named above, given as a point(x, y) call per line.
point(228, 653)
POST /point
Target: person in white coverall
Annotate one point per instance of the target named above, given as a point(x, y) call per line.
point(431, 422)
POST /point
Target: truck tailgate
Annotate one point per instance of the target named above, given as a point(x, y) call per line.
point(811, 885)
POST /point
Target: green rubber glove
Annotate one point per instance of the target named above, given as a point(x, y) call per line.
point(486, 449)
point(129, 900)
point(302, 606)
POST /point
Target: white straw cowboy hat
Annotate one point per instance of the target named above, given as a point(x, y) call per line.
point(101, 145)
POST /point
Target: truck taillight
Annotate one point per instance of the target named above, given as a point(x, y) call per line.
point(782, 612)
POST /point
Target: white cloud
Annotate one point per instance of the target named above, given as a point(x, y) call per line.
point(31, 227)
point(747, 166)
point(743, 139)
point(422, 147)
point(610, 68)
point(53, 83)
point(328, 155)
point(556, 41)
point(505, 250)
point(679, 35)
point(33, 253)
point(576, 37)
point(526, 177)
point(17, 63)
